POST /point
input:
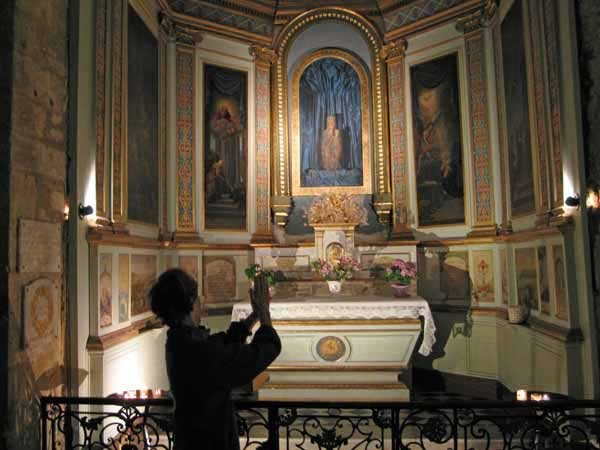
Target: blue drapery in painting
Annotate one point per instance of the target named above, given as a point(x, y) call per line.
point(330, 86)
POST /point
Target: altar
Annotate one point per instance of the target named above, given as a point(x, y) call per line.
point(350, 348)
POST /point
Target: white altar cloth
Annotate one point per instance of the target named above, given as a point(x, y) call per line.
point(350, 308)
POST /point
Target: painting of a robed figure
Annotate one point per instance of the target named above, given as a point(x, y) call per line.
point(225, 148)
point(330, 125)
point(437, 141)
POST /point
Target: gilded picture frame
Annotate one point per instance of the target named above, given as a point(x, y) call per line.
point(366, 140)
point(242, 220)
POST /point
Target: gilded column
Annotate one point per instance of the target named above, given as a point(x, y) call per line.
point(264, 58)
point(483, 196)
point(282, 200)
point(393, 54)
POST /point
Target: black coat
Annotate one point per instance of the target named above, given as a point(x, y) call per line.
point(202, 370)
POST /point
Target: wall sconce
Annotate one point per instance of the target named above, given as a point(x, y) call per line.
point(572, 202)
point(85, 211)
point(66, 212)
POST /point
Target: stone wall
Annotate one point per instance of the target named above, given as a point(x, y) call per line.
point(36, 142)
point(6, 44)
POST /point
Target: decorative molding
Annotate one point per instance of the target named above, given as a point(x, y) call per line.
point(505, 227)
point(185, 125)
point(281, 206)
point(483, 206)
point(393, 50)
point(263, 55)
point(118, 166)
point(420, 22)
point(263, 143)
point(102, 110)
point(478, 19)
point(394, 56)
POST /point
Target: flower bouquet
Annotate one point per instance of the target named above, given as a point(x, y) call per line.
point(400, 274)
point(336, 274)
point(272, 276)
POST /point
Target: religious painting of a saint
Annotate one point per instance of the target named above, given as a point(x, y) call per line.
point(437, 141)
point(330, 124)
point(225, 148)
point(522, 194)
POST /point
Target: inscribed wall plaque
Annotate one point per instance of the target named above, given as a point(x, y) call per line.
point(40, 246)
point(105, 289)
point(219, 279)
point(143, 273)
point(190, 265)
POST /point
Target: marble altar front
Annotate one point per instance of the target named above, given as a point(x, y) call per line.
point(350, 348)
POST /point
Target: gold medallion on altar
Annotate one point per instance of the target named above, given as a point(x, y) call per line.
point(331, 348)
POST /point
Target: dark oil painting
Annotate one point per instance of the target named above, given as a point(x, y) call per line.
point(517, 112)
point(330, 125)
point(437, 141)
point(225, 148)
point(142, 116)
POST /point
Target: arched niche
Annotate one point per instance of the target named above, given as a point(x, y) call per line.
point(346, 30)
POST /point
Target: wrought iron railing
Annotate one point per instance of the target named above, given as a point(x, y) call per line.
point(128, 424)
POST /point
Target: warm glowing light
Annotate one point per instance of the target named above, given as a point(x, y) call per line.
point(66, 211)
point(593, 199)
point(521, 395)
point(89, 197)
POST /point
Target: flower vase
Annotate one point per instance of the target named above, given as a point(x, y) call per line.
point(335, 286)
point(401, 290)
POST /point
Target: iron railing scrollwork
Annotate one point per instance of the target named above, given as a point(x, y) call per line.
point(135, 424)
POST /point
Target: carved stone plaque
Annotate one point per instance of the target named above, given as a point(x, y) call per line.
point(40, 310)
point(219, 279)
point(40, 246)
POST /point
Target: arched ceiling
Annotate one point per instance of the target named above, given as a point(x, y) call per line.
point(265, 17)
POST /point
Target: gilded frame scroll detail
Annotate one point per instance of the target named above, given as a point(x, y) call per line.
point(280, 155)
point(365, 89)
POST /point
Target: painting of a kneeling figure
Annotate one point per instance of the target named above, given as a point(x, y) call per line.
point(330, 125)
point(225, 148)
point(437, 141)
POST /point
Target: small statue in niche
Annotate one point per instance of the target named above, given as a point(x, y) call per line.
point(334, 253)
point(332, 146)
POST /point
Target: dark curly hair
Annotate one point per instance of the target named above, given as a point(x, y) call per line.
point(173, 295)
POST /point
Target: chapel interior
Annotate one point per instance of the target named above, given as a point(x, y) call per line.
point(457, 135)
